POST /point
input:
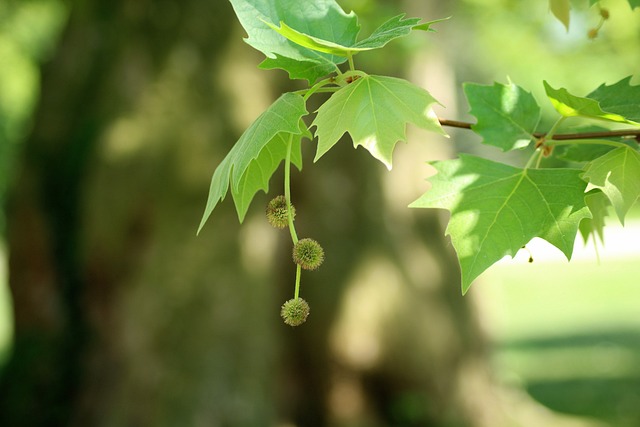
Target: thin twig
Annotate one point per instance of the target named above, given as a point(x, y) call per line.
point(558, 136)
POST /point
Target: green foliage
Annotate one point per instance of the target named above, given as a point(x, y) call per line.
point(323, 19)
point(620, 98)
point(598, 205)
point(392, 29)
point(617, 174)
point(251, 162)
point(507, 115)
point(374, 110)
point(495, 208)
point(569, 105)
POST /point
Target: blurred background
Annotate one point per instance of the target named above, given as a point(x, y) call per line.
point(113, 117)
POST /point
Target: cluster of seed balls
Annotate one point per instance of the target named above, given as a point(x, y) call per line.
point(307, 253)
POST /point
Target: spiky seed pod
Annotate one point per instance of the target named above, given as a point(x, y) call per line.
point(604, 13)
point(295, 312)
point(277, 212)
point(308, 254)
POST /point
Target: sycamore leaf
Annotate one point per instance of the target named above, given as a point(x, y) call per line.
point(570, 105)
point(507, 115)
point(619, 98)
point(496, 209)
point(392, 29)
point(253, 159)
point(260, 170)
point(598, 205)
point(617, 174)
point(587, 150)
point(561, 10)
point(590, 149)
point(324, 19)
point(374, 110)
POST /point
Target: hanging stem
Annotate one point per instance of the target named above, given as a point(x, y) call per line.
point(297, 290)
point(287, 189)
point(287, 196)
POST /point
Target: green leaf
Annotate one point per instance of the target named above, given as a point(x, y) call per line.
point(324, 19)
point(617, 174)
point(598, 205)
point(560, 9)
point(587, 150)
point(374, 110)
point(634, 3)
point(496, 209)
point(620, 98)
point(260, 170)
point(392, 29)
point(507, 115)
point(590, 149)
point(573, 106)
point(253, 159)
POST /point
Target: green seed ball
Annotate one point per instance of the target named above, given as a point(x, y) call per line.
point(277, 214)
point(295, 312)
point(308, 254)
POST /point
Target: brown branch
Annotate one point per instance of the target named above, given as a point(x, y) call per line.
point(559, 136)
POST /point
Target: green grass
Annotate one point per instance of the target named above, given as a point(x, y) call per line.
point(569, 333)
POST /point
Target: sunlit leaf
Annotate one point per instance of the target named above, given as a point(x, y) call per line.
point(570, 105)
point(324, 19)
point(392, 29)
point(617, 174)
point(496, 209)
point(374, 110)
point(598, 205)
point(619, 98)
point(253, 159)
point(507, 115)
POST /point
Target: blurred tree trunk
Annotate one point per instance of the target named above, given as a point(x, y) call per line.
point(125, 318)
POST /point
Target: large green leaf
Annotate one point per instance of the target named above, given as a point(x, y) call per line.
point(374, 110)
point(619, 98)
point(496, 209)
point(253, 159)
point(507, 115)
point(392, 29)
point(573, 106)
point(617, 174)
point(324, 19)
point(634, 3)
point(561, 10)
point(598, 205)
